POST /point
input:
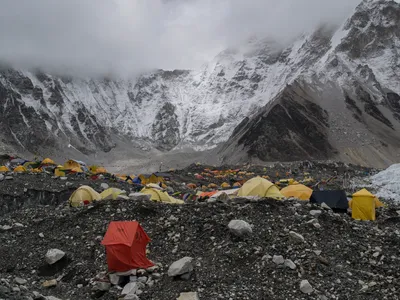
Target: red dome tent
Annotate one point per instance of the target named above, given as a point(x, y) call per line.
point(125, 243)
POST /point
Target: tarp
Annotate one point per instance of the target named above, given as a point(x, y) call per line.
point(111, 194)
point(261, 187)
point(125, 243)
point(363, 205)
point(207, 194)
point(334, 199)
point(298, 191)
point(83, 195)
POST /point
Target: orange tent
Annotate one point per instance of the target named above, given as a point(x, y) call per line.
point(125, 243)
point(191, 186)
point(207, 194)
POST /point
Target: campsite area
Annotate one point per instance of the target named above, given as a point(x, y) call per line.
point(302, 230)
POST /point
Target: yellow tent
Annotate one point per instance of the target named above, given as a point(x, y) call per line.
point(83, 195)
point(71, 165)
point(111, 194)
point(101, 170)
point(20, 169)
point(363, 205)
point(160, 196)
point(225, 185)
point(261, 187)
point(298, 191)
point(4, 169)
point(97, 170)
point(153, 178)
point(48, 161)
point(59, 171)
point(37, 170)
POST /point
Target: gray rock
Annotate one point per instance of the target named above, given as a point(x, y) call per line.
point(54, 255)
point(2, 177)
point(41, 235)
point(52, 298)
point(306, 287)
point(152, 269)
point(186, 276)
point(104, 186)
point(315, 213)
point(103, 286)
point(122, 197)
point(18, 225)
point(5, 227)
point(325, 206)
point(139, 197)
point(131, 297)
point(131, 288)
point(290, 264)
point(37, 295)
point(68, 184)
point(16, 289)
point(296, 237)
point(49, 283)
point(20, 281)
point(278, 259)
point(156, 275)
point(182, 266)
point(188, 296)
point(63, 178)
point(142, 279)
point(9, 178)
point(133, 278)
point(317, 225)
point(114, 278)
point(240, 228)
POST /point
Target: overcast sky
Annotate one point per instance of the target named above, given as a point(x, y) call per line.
point(128, 36)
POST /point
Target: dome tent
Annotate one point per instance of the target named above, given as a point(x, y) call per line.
point(260, 187)
point(298, 191)
point(83, 195)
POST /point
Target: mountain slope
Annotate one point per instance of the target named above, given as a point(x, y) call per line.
point(346, 106)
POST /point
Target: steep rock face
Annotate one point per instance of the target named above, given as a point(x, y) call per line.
point(291, 128)
point(166, 128)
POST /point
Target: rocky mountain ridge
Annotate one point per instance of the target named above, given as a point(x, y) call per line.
point(344, 107)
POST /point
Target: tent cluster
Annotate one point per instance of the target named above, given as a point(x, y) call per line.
point(362, 205)
point(71, 166)
point(85, 195)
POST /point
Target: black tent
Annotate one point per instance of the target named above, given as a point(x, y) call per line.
point(334, 199)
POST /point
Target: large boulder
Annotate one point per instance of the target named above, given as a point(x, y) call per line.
point(182, 266)
point(54, 255)
point(240, 228)
point(306, 287)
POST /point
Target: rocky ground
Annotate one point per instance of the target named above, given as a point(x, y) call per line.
point(340, 258)
point(279, 250)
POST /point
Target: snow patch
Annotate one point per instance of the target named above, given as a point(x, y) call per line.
point(387, 183)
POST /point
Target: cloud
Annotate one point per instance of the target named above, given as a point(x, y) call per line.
point(125, 37)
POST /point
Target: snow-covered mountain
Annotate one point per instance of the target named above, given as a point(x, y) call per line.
point(345, 105)
point(349, 78)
